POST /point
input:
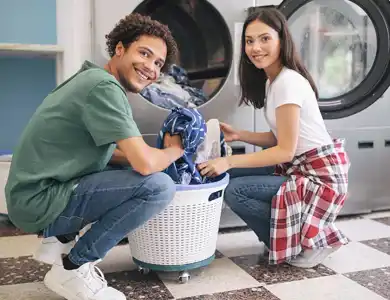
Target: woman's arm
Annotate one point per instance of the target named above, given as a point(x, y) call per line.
point(261, 139)
point(287, 123)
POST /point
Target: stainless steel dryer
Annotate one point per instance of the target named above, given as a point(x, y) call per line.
point(208, 36)
point(346, 47)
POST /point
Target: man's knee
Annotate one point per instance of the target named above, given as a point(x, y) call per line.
point(160, 187)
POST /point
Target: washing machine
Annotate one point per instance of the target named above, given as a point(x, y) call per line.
point(346, 47)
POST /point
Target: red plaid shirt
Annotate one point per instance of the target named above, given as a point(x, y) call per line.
point(306, 206)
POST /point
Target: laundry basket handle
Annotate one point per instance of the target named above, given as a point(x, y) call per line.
point(216, 195)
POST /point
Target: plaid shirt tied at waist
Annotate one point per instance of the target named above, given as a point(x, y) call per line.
point(305, 208)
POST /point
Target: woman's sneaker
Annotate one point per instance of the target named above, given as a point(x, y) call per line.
point(51, 249)
point(86, 282)
point(310, 258)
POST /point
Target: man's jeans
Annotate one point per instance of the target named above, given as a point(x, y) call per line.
point(249, 194)
point(118, 201)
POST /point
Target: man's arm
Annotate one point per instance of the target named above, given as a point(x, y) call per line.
point(108, 118)
point(147, 160)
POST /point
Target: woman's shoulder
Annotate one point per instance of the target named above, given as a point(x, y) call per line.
point(292, 77)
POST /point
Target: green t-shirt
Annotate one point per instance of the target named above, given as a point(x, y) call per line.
point(71, 134)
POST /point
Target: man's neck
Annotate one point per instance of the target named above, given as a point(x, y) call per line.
point(110, 68)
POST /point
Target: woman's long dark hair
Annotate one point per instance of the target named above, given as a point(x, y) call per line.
point(253, 79)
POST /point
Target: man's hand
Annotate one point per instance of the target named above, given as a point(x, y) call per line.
point(172, 141)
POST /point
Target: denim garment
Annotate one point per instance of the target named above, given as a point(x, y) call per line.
point(116, 201)
point(250, 193)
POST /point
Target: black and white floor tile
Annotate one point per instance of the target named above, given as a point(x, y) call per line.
point(358, 271)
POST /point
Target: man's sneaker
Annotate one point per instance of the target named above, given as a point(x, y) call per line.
point(310, 258)
point(86, 282)
point(51, 250)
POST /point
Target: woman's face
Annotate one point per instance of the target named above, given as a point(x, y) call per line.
point(262, 44)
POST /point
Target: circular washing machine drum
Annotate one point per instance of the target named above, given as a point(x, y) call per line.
point(345, 45)
point(204, 31)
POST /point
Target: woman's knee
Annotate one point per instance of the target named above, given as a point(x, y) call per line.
point(232, 193)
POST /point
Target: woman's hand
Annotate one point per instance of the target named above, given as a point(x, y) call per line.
point(214, 167)
point(230, 133)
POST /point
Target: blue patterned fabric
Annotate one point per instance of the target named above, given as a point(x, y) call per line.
point(192, 128)
point(190, 125)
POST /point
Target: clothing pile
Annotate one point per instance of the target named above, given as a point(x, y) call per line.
point(173, 89)
point(201, 142)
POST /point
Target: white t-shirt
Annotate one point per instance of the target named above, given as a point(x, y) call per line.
point(290, 87)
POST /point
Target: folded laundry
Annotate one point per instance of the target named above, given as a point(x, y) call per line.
point(198, 145)
point(173, 89)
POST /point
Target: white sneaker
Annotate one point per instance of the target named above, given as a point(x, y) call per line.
point(85, 283)
point(308, 259)
point(51, 250)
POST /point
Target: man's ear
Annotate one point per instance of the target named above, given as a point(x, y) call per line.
point(119, 49)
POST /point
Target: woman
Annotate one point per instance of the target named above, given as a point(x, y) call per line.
point(298, 184)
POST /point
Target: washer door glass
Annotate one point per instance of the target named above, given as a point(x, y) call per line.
point(205, 54)
point(345, 47)
point(338, 44)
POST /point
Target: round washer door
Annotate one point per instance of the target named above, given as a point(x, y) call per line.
point(204, 76)
point(345, 45)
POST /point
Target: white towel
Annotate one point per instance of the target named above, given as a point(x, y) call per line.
point(211, 146)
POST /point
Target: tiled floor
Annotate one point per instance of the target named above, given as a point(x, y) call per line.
point(360, 270)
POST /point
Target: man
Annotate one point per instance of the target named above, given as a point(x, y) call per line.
point(59, 181)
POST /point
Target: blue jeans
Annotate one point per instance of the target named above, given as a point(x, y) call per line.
point(249, 194)
point(118, 201)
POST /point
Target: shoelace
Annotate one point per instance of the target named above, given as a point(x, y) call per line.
point(96, 273)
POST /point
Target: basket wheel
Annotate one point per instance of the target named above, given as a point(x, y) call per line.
point(184, 277)
point(143, 271)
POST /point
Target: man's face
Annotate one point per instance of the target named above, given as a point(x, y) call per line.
point(140, 65)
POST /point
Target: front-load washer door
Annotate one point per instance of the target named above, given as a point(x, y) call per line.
point(346, 47)
point(208, 36)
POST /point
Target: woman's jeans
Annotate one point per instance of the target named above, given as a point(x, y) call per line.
point(249, 194)
point(117, 201)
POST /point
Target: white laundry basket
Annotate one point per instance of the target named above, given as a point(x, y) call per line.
point(184, 236)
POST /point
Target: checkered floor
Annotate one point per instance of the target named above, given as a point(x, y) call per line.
point(360, 270)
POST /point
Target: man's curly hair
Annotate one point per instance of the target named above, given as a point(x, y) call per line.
point(133, 26)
